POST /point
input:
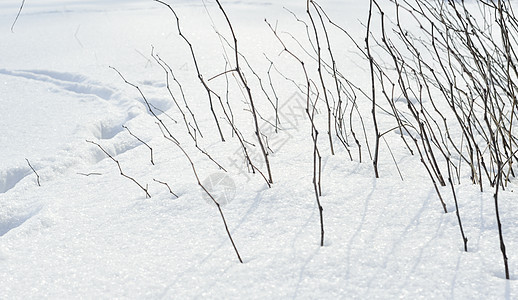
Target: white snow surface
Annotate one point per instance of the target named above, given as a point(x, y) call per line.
point(88, 232)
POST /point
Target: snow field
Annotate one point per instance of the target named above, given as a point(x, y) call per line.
point(89, 232)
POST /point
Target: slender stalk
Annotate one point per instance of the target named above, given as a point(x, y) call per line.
point(248, 92)
point(120, 168)
point(373, 92)
point(37, 176)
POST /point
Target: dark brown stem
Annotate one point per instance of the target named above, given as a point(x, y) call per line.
point(200, 76)
point(497, 212)
point(120, 169)
point(37, 176)
point(319, 70)
point(310, 112)
point(373, 91)
point(167, 185)
point(464, 238)
point(150, 149)
point(17, 15)
point(204, 189)
point(249, 93)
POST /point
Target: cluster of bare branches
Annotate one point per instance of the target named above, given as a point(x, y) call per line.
point(452, 65)
point(189, 118)
point(310, 112)
point(460, 56)
point(169, 136)
point(226, 109)
point(443, 75)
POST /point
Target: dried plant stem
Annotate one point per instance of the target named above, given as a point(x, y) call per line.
point(500, 233)
point(150, 149)
point(204, 189)
point(37, 176)
point(310, 111)
point(200, 76)
point(249, 94)
point(17, 15)
point(120, 169)
point(464, 238)
point(319, 70)
point(167, 185)
point(373, 92)
point(161, 122)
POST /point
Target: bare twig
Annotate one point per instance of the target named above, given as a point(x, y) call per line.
point(88, 174)
point(310, 112)
point(373, 90)
point(464, 238)
point(17, 15)
point(37, 176)
point(167, 185)
point(249, 94)
point(204, 189)
point(209, 91)
point(150, 149)
point(120, 169)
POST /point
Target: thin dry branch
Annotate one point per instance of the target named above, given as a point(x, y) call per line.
point(150, 149)
point(120, 169)
point(167, 185)
point(37, 176)
point(193, 168)
point(249, 94)
point(17, 16)
point(195, 61)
